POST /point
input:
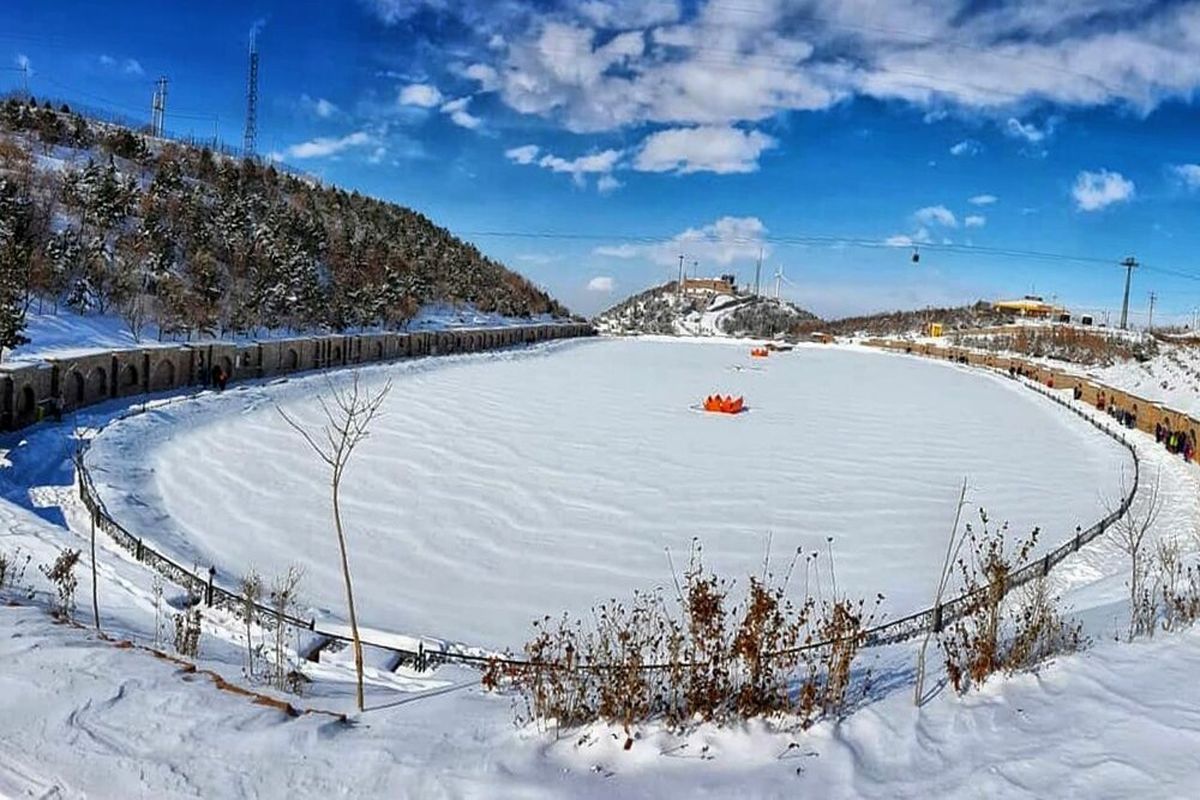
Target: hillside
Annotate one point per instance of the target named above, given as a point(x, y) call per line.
point(661, 310)
point(97, 219)
point(898, 323)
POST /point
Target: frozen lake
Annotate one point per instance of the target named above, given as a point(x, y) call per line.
point(500, 487)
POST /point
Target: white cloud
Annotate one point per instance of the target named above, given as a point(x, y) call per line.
point(594, 163)
point(324, 146)
point(723, 242)
point(524, 154)
point(486, 76)
point(1188, 174)
point(457, 111)
point(319, 107)
point(600, 163)
point(421, 95)
point(601, 283)
point(391, 12)
point(128, 66)
point(982, 200)
point(974, 221)
point(723, 150)
point(1028, 130)
point(936, 215)
point(627, 14)
point(1096, 190)
point(967, 147)
point(607, 183)
point(720, 64)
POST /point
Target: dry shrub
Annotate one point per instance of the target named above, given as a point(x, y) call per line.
point(990, 635)
point(12, 569)
point(1065, 343)
point(62, 574)
point(709, 659)
point(1178, 587)
point(187, 629)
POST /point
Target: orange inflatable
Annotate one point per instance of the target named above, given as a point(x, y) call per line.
point(724, 405)
point(759, 352)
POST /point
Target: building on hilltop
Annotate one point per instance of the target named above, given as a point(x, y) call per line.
point(726, 284)
point(1030, 306)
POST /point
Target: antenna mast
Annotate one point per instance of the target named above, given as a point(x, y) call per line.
point(251, 135)
point(1129, 264)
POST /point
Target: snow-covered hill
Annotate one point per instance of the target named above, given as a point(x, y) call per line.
point(662, 310)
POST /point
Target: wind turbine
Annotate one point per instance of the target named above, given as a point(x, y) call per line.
point(778, 279)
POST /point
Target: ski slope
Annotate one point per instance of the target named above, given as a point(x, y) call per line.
point(500, 487)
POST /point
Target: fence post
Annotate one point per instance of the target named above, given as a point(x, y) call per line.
point(1078, 536)
point(420, 656)
point(1046, 565)
point(208, 592)
point(937, 618)
point(139, 550)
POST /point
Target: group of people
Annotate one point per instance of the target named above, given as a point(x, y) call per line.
point(1176, 442)
point(1124, 416)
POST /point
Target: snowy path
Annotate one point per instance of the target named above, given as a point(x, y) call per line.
point(501, 487)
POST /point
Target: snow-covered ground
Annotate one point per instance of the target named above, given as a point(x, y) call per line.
point(500, 488)
point(80, 717)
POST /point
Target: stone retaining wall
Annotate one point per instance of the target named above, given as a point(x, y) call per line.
point(28, 392)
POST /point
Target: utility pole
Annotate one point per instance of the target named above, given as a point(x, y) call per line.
point(1129, 264)
point(1150, 318)
point(251, 134)
point(679, 283)
point(158, 108)
point(695, 269)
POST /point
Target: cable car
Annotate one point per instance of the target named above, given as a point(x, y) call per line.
point(916, 256)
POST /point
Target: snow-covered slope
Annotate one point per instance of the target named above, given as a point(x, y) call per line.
point(662, 310)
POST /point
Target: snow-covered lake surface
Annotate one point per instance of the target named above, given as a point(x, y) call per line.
point(500, 487)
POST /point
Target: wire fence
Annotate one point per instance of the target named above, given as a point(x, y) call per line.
point(202, 586)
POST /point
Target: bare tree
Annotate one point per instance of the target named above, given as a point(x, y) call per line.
point(953, 546)
point(1130, 531)
point(348, 415)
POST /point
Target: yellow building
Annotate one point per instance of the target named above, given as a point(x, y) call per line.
point(1029, 306)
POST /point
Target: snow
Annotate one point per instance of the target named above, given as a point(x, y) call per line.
point(81, 717)
point(501, 487)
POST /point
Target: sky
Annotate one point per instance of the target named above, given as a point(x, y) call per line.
point(1017, 147)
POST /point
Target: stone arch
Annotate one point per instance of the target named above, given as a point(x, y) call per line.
point(129, 377)
point(163, 376)
point(26, 403)
point(76, 394)
point(97, 382)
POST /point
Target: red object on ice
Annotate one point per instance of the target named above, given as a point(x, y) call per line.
point(759, 352)
point(724, 405)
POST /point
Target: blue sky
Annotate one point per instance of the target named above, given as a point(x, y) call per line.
point(588, 144)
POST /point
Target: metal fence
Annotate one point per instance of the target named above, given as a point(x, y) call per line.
point(201, 583)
